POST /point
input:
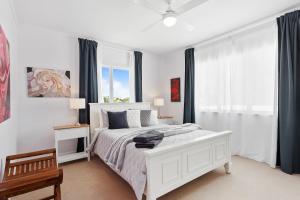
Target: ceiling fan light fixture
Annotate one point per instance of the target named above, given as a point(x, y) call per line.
point(170, 19)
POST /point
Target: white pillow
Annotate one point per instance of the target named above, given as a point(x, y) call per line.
point(103, 119)
point(134, 118)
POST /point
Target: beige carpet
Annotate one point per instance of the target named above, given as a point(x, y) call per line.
point(249, 180)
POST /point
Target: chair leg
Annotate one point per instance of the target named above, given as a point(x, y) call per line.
point(57, 192)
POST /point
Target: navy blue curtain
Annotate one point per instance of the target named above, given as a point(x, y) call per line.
point(189, 88)
point(288, 151)
point(88, 84)
point(138, 65)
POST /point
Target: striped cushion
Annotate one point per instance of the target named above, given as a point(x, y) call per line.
point(149, 117)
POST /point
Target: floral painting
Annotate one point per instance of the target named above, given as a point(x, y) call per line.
point(48, 82)
point(175, 90)
point(4, 77)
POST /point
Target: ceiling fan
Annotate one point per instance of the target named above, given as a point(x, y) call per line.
point(169, 17)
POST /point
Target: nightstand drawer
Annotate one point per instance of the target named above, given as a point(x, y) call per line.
point(66, 134)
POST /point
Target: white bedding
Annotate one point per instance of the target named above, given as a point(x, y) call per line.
point(134, 167)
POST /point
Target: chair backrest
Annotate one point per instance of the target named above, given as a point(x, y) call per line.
point(29, 163)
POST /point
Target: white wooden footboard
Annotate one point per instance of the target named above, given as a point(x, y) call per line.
point(171, 167)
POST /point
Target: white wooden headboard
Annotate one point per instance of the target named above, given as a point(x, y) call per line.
point(95, 108)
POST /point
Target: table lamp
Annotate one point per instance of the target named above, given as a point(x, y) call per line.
point(159, 102)
point(76, 104)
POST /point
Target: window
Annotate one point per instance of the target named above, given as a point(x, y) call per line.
point(115, 83)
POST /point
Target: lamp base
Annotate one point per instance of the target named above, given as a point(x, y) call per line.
point(158, 112)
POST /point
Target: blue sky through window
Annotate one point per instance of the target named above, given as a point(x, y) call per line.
point(122, 76)
point(121, 83)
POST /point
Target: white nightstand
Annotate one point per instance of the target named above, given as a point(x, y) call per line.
point(69, 132)
point(166, 120)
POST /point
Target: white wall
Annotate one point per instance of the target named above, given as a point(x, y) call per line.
point(151, 78)
point(45, 48)
point(8, 128)
point(172, 66)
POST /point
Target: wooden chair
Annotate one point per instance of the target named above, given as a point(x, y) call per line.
point(31, 171)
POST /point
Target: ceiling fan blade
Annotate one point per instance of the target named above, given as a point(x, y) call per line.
point(149, 5)
point(150, 26)
point(188, 26)
point(189, 5)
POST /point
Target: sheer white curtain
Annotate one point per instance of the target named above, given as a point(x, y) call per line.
point(235, 88)
point(131, 76)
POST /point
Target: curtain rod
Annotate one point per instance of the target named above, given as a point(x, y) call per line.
point(106, 43)
point(119, 46)
point(110, 44)
point(250, 26)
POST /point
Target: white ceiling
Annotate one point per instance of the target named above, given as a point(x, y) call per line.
point(121, 21)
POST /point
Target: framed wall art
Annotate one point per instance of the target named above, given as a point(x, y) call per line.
point(48, 82)
point(175, 90)
point(4, 77)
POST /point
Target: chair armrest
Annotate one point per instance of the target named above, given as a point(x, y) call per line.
point(31, 154)
point(30, 182)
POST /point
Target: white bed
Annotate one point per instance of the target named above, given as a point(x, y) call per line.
point(174, 162)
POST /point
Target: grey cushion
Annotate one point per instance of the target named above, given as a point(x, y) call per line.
point(149, 117)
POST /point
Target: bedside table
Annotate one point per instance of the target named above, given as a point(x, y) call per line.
point(69, 132)
point(166, 120)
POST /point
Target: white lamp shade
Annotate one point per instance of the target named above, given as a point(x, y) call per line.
point(159, 102)
point(77, 103)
